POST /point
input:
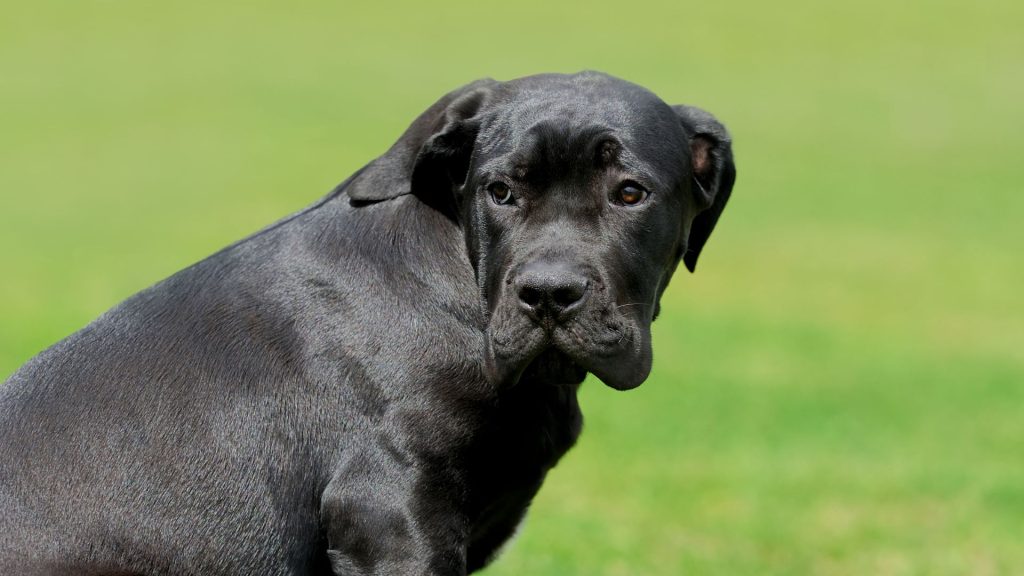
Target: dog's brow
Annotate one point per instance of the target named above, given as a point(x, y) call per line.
point(607, 151)
point(557, 141)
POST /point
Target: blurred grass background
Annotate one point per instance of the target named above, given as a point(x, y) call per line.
point(838, 390)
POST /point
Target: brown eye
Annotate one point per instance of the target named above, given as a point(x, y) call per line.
point(500, 192)
point(630, 194)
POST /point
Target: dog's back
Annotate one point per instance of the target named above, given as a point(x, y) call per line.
point(211, 408)
point(168, 430)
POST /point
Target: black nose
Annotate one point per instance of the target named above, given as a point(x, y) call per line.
point(550, 292)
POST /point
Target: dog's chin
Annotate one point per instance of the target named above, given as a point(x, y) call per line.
point(553, 366)
point(622, 362)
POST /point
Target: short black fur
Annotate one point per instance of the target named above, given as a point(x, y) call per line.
point(379, 383)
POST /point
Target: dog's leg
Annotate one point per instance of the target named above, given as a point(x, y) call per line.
point(384, 515)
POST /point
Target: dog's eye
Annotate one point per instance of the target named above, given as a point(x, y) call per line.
point(630, 194)
point(500, 192)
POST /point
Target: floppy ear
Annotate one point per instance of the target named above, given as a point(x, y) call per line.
point(714, 173)
point(432, 157)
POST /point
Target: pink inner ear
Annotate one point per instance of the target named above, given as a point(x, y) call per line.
point(700, 152)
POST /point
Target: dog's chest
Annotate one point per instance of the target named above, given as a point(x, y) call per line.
point(522, 438)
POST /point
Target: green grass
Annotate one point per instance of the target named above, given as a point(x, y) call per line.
point(838, 390)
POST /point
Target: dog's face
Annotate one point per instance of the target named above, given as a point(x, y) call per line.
point(578, 197)
point(575, 204)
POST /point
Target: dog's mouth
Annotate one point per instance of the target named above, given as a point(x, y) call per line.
point(618, 353)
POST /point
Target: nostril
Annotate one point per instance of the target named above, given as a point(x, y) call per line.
point(529, 295)
point(566, 296)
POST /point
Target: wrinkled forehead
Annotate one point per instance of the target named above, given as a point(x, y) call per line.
point(573, 118)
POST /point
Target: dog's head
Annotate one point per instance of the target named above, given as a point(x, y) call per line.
point(578, 196)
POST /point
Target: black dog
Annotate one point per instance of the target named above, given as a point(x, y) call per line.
point(379, 383)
